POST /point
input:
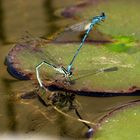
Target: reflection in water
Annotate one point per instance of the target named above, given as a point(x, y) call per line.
point(61, 110)
point(2, 32)
point(31, 116)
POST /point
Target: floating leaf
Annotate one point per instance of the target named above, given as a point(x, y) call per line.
point(121, 123)
point(122, 16)
point(97, 68)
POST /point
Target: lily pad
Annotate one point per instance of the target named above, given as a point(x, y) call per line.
point(97, 68)
point(122, 15)
point(121, 123)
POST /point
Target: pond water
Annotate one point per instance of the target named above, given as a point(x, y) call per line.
point(28, 116)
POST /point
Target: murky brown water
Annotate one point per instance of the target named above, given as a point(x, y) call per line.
point(29, 116)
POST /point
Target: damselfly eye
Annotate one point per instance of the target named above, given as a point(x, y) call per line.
point(70, 74)
point(103, 14)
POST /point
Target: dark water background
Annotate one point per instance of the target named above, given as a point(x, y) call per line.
point(30, 116)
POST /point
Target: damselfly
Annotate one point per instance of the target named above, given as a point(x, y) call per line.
point(67, 72)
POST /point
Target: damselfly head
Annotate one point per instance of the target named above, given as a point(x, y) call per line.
point(98, 19)
point(103, 15)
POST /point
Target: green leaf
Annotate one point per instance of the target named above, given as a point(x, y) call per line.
point(108, 68)
point(122, 16)
point(122, 123)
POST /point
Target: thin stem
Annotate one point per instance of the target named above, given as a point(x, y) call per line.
point(79, 116)
point(80, 120)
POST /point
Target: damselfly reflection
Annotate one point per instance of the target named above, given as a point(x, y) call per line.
point(64, 102)
point(57, 104)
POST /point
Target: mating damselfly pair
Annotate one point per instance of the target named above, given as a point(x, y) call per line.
point(67, 72)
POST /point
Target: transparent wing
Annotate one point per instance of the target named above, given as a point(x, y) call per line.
point(78, 27)
point(33, 51)
point(72, 33)
point(34, 45)
point(85, 73)
point(75, 33)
